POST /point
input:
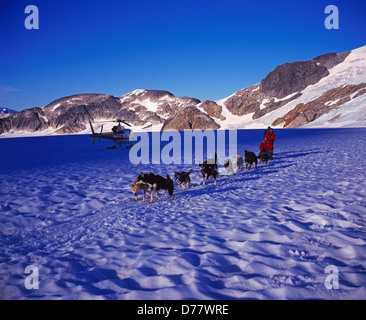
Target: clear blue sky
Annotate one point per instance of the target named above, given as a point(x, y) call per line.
point(205, 49)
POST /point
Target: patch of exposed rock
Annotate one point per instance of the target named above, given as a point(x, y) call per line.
point(296, 76)
point(190, 118)
point(330, 100)
point(30, 120)
point(212, 109)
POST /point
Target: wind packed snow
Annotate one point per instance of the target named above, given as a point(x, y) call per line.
point(67, 208)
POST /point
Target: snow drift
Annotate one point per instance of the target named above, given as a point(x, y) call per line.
point(67, 208)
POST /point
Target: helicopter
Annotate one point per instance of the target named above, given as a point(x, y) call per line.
point(119, 135)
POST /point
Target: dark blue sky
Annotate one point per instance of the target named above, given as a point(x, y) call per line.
point(205, 49)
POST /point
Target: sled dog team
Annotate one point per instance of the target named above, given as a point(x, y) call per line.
point(209, 169)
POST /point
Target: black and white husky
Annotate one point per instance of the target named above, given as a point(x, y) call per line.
point(209, 169)
point(183, 178)
point(157, 183)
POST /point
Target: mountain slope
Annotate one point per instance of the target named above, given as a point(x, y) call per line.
point(327, 91)
point(6, 112)
point(326, 99)
point(72, 113)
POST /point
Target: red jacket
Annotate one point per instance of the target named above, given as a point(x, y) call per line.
point(270, 137)
point(266, 146)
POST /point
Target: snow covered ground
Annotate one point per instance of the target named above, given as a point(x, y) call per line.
point(66, 207)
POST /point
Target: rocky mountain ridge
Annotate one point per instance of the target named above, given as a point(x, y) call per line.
point(292, 95)
point(6, 112)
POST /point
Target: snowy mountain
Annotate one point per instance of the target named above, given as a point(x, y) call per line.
point(327, 91)
point(71, 114)
point(6, 112)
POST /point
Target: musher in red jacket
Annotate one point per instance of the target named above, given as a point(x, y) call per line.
point(265, 146)
point(271, 137)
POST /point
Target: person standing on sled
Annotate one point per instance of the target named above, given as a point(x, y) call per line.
point(266, 131)
point(271, 137)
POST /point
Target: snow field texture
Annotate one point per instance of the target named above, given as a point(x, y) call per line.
point(67, 208)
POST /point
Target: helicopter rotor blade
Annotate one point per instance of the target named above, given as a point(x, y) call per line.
point(154, 122)
point(126, 123)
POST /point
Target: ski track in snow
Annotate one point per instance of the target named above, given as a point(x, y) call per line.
point(263, 234)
